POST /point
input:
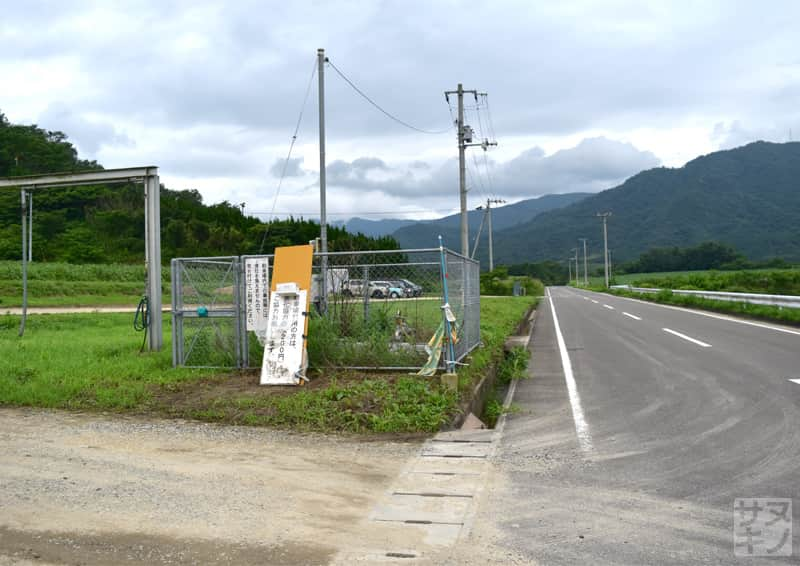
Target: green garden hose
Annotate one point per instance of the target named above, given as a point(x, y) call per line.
point(141, 320)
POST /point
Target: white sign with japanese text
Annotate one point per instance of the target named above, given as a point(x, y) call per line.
point(284, 347)
point(256, 273)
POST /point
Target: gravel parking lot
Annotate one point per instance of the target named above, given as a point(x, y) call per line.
point(95, 489)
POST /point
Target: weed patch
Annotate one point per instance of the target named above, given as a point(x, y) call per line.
point(91, 362)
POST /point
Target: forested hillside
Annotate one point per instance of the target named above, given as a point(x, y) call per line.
point(426, 234)
point(106, 223)
point(748, 198)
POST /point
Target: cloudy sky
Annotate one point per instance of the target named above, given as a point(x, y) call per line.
point(581, 95)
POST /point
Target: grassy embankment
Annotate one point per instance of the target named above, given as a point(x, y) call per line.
point(91, 362)
point(773, 282)
point(64, 284)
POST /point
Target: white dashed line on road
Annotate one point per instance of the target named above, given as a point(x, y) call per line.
point(633, 316)
point(797, 381)
point(595, 302)
point(609, 307)
point(689, 338)
point(716, 316)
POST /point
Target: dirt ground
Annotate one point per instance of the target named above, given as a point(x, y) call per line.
point(94, 489)
point(198, 393)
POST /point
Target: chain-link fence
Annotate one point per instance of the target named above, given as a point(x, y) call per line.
point(377, 310)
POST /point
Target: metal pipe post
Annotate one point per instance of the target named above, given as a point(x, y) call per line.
point(323, 216)
point(30, 227)
point(24, 265)
point(153, 246)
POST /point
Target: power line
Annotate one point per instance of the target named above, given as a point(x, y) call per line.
point(480, 177)
point(484, 133)
point(359, 213)
point(489, 113)
point(289, 154)
point(386, 113)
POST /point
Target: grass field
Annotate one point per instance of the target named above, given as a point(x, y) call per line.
point(91, 362)
point(770, 281)
point(65, 284)
point(81, 361)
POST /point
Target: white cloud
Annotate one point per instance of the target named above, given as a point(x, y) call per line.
point(292, 167)
point(582, 93)
point(88, 135)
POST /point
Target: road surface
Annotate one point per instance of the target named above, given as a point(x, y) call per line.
point(669, 415)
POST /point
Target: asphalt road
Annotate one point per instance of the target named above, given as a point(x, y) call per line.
point(670, 416)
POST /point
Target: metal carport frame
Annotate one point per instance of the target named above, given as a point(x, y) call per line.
point(148, 175)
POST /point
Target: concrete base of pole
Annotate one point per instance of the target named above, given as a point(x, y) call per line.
point(450, 381)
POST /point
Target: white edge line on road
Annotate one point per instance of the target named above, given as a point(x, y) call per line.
point(609, 307)
point(581, 428)
point(717, 316)
point(689, 338)
point(797, 381)
point(633, 316)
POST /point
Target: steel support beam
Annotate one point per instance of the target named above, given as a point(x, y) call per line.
point(152, 209)
point(153, 245)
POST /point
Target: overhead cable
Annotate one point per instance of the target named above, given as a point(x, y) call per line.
point(385, 112)
point(289, 154)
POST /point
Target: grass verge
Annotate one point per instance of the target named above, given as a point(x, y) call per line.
point(91, 362)
point(769, 281)
point(759, 312)
point(513, 366)
point(82, 361)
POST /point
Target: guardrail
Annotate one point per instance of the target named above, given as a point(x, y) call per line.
point(788, 301)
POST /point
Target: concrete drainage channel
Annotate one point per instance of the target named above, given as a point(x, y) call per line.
point(433, 501)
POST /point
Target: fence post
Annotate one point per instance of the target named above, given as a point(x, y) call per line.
point(237, 307)
point(366, 293)
point(175, 316)
point(242, 313)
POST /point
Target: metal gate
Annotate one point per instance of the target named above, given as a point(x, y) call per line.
point(207, 321)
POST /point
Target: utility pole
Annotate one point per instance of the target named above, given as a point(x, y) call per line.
point(604, 216)
point(491, 244)
point(323, 217)
point(569, 266)
point(487, 214)
point(585, 269)
point(577, 284)
point(464, 141)
point(610, 265)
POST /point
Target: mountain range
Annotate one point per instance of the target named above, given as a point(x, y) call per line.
point(425, 233)
point(747, 197)
point(383, 227)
